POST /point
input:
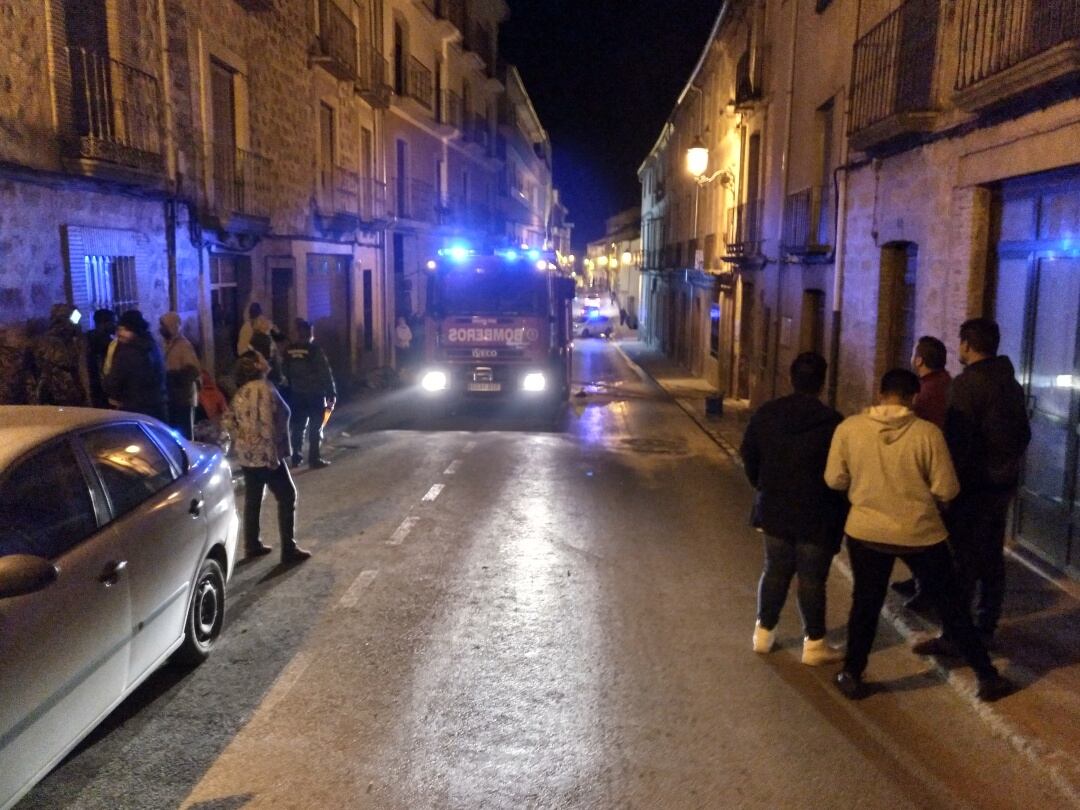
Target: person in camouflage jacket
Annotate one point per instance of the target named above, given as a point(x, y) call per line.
point(13, 376)
point(58, 360)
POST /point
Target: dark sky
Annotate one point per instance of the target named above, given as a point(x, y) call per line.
point(604, 75)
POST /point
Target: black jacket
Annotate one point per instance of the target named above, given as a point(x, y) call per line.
point(784, 452)
point(986, 425)
point(136, 379)
point(308, 371)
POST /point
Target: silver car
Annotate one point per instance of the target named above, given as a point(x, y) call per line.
point(117, 539)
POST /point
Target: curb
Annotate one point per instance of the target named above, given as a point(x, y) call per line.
point(1054, 763)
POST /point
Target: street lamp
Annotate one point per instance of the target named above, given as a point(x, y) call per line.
point(697, 158)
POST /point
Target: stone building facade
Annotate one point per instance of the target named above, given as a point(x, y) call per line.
point(919, 171)
point(201, 155)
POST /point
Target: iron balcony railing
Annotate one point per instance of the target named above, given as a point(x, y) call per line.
point(241, 182)
point(454, 11)
point(744, 229)
point(997, 34)
point(336, 44)
point(807, 222)
point(476, 130)
point(115, 110)
point(372, 200)
point(893, 68)
point(450, 111)
point(418, 84)
point(749, 71)
point(372, 80)
point(414, 199)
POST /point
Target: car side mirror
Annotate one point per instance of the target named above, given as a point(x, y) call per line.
point(21, 574)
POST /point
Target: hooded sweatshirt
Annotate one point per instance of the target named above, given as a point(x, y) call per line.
point(784, 451)
point(896, 468)
point(182, 367)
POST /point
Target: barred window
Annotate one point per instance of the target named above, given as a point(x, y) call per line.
point(110, 283)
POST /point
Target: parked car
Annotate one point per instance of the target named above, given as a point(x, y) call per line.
point(594, 317)
point(117, 539)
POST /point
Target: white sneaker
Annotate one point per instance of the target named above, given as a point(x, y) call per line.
point(816, 652)
point(764, 640)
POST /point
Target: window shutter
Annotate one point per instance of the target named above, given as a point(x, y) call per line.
point(78, 277)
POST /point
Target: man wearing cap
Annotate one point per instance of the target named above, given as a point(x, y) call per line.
point(136, 379)
point(312, 390)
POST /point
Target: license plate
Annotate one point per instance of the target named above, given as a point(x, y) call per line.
point(485, 386)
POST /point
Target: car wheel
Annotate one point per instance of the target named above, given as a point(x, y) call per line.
point(206, 615)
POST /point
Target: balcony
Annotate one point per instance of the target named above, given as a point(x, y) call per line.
point(1016, 48)
point(372, 201)
point(114, 128)
point(372, 80)
point(450, 112)
point(807, 223)
point(414, 200)
point(418, 85)
point(744, 231)
point(240, 198)
point(476, 130)
point(256, 5)
point(453, 12)
point(892, 78)
point(335, 46)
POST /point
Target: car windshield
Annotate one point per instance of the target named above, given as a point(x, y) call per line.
point(490, 291)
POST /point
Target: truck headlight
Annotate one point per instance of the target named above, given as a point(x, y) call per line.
point(533, 381)
point(434, 381)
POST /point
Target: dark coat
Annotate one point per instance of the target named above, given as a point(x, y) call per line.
point(986, 426)
point(308, 372)
point(784, 451)
point(932, 401)
point(97, 348)
point(136, 379)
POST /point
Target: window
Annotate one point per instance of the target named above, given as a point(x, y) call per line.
point(131, 467)
point(45, 506)
point(326, 153)
point(110, 283)
point(171, 447)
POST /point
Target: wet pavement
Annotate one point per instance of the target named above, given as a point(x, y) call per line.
point(513, 610)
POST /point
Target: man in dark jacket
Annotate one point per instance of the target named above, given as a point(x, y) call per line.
point(98, 341)
point(784, 452)
point(987, 430)
point(312, 391)
point(136, 379)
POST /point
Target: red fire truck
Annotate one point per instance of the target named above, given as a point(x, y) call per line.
point(498, 325)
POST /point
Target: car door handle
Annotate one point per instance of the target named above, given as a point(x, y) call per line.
point(195, 509)
point(111, 575)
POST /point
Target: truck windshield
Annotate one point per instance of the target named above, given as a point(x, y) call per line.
point(492, 291)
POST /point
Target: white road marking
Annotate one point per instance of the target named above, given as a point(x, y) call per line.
point(453, 468)
point(402, 531)
point(470, 447)
point(352, 596)
point(286, 681)
point(433, 493)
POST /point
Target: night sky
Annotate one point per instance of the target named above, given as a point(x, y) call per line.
point(604, 76)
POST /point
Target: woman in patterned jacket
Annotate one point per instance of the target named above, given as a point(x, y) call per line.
point(259, 423)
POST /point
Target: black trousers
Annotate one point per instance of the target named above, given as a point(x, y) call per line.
point(307, 416)
point(977, 522)
point(280, 482)
point(182, 419)
point(933, 568)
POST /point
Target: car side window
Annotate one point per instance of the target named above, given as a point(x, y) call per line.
point(171, 447)
point(45, 505)
point(131, 467)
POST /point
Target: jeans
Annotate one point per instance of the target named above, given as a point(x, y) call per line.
point(279, 480)
point(307, 415)
point(977, 523)
point(933, 568)
point(783, 560)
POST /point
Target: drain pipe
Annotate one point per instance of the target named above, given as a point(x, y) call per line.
point(788, 118)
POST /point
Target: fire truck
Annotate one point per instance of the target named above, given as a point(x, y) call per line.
point(498, 326)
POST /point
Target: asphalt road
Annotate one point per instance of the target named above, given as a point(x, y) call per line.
point(516, 610)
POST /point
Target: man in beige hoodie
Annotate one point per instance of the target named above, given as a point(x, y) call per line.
point(897, 470)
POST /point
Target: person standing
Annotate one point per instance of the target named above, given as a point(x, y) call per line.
point(135, 380)
point(265, 340)
point(98, 341)
point(59, 361)
point(247, 328)
point(259, 423)
point(988, 432)
point(896, 470)
point(311, 392)
point(928, 362)
point(182, 371)
point(784, 451)
point(403, 337)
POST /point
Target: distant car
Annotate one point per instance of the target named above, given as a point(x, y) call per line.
point(593, 319)
point(117, 539)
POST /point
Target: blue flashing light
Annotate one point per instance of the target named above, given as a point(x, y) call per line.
point(458, 253)
point(534, 254)
point(592, 313)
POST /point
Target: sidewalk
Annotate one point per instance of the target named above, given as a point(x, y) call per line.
point(1039, 639)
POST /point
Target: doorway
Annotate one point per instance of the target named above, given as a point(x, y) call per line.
point(1034, 294)
point(328, 310)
